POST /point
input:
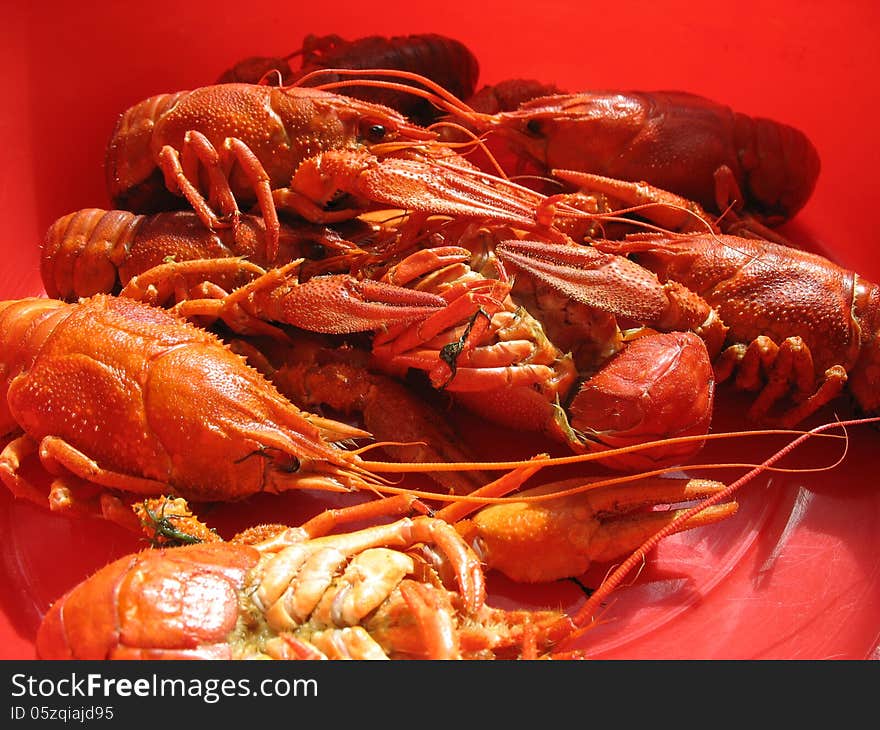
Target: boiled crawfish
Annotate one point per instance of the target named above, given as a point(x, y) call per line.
point(680, 142)
point(410, 589)
point(116, 397)
point(444, 60)
point(293, 594)
point(239, 142)
point(800, 326)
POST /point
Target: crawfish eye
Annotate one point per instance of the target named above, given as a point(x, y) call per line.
point(289, 465)
point(281, 461)
point(374, 131)
point(535, 128)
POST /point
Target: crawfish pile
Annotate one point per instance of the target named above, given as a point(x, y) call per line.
point(291, 268)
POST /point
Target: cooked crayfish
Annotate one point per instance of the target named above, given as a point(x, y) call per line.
point(296, 595)
point(117, 398)
point(115, 395)
point(240, 143)
point(411, 589)
point(677, 141)
point(444, 60)
point(800, 326)
point(292, 594)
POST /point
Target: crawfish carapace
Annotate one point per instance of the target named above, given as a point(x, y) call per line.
point(801, 328)
point(117, 397)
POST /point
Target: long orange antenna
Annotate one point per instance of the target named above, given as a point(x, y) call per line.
point(583, 618)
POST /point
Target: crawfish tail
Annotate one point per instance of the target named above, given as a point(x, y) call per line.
point(133, 180)
point(780, 165)
point(81, 252)
point(443, 60)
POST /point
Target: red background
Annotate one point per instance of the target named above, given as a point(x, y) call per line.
point(797, 573)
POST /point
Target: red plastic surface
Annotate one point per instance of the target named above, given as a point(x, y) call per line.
point(796, 574)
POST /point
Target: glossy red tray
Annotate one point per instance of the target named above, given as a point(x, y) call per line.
point(796, 573)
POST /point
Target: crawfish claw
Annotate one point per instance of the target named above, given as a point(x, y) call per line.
point(340, 304)
point(537, 541)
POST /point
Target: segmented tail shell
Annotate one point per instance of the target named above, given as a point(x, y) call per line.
point(131, 609)
point(780, 166)
point(134, 182)
point(81, 252)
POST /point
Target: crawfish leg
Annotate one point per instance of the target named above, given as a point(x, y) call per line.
point(56, 452)
point(11, 459)
point(181, 169)
point(433, 619)
point(228, 307)
point(66, 492)
point(779, 370)
point(182, 280)
point(351, 642)
point(328, 520)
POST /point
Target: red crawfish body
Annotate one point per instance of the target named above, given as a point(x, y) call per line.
point(280, 126)
point(413, 588)
point(676, 141)
point(443, 60)
point(793, 316)
point(350, 596)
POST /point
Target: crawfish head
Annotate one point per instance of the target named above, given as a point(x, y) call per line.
point(126, 396)
point(280, 126)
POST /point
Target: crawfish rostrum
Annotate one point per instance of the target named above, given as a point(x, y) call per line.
point(293, 241)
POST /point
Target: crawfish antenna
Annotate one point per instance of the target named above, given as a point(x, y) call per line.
point(441, 98)
point(584, 616)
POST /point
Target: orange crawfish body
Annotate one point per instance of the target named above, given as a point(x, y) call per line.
point(226, 144)
point(121, 396)
point(357, 595)
point(280, 126)
point(794, 317)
